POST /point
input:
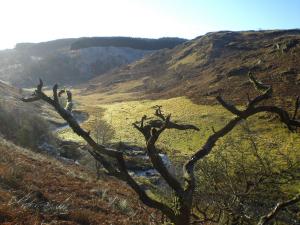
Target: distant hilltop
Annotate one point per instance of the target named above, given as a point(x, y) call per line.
point(136, 43)
point(214, 63)
point(87, 42)
point(74, 60)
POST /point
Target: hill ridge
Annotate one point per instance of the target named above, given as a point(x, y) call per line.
point(213, 63)
point(74, 60)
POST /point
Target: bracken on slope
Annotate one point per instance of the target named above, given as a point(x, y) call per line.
point(36, 189)
point(214, 63)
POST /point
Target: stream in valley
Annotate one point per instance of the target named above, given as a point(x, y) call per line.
point(136, 153)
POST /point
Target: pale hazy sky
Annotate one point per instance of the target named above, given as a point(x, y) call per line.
point(43, 20)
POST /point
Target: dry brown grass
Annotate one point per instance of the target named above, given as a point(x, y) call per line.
point(36, 189)
point(203, 67)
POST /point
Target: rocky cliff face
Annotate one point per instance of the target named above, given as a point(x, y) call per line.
point(98, 60)
point(57, 62)
point(23, 68)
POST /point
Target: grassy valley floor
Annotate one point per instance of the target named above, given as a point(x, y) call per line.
point(121, 115)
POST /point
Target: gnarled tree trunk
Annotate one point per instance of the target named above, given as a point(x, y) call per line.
point(151, 130)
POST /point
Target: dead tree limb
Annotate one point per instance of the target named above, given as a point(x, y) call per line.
point(151, 132)
point(98, 151)
point(152, 129)
point(279, 206)
point(251, 109)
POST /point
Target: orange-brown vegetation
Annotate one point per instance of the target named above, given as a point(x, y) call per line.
point(214, 63)
point(35, 189)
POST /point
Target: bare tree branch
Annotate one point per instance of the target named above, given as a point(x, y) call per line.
point(151, 132)
point(153, 128)
point(69, 104)
point(280, 206)
point(30, 99)
point(231, 108)
point(97, 150)
point(259, 86)
point(250, 110)
point(297, 105)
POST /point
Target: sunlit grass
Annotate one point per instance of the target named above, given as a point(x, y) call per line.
point(271, 137)
point(121, 115)
point(188, 60)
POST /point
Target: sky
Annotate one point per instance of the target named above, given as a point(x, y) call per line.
point(44, 20)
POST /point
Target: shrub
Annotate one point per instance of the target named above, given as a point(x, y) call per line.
point(21, 126)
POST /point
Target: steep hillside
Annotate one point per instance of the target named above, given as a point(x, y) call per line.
point(24, 124)
point(10, 98)
point(35, 189)
point(72, 61)
point(39, 189)
point(214, 63)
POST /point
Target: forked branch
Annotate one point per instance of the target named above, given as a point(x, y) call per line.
point(252, 108)
point(98, 151)
point(151, 130)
